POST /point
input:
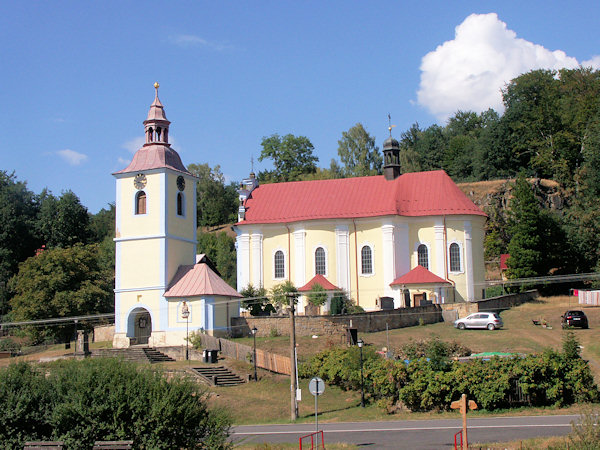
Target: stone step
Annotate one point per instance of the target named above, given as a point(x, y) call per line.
point(222, 375)
point(136, 354)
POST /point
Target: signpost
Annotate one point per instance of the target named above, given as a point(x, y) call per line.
point(316, 388)
point(462, 406)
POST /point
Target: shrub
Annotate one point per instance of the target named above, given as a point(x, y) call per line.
point(79, 402)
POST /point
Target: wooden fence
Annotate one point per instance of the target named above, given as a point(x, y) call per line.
point(264, 360)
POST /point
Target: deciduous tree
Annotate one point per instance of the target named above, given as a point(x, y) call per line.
point(358, 153)
point(292, 156)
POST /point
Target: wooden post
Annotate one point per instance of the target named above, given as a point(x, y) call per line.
point(293, 387)
point(462, 406)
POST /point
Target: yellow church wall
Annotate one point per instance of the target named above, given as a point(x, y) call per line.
point(179, 253)
point(478, 237)
point(140, 224)
point(322, 235)
point(221, 312)
point(138, 263)
point(274, 238)
point(148, 299)
point(179, 225)
point(370, 287)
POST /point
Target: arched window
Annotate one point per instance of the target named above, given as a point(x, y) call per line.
point(320, 263)
point(179, 204)
point(454, 257)
point(423, 256)
point(279, 264)
point(366, 258)
point(140, 203)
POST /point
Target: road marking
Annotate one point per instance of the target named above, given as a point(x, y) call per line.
point(376, 430)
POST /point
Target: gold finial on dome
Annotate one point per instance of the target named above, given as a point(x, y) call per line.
point(390, 126)
point(156, 85)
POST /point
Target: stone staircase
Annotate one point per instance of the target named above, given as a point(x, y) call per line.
point(136, 354)
point(218, 375)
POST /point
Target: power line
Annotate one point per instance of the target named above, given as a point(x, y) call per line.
point(95, 317)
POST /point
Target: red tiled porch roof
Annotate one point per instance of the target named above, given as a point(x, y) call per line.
point(419, 275)
point(319, 279)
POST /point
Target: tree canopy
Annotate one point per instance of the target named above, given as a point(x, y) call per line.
point(217, 203)
point(358, 153)
point(292, 157)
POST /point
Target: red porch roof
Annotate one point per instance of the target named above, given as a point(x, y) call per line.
point(411, 194)
point(419, 275)
point(319, 279)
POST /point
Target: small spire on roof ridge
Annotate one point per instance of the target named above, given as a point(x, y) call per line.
point(390, 126)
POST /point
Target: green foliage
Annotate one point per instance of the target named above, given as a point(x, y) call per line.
point(424, 385)
point(61, 283)
point(216, 203)
point(220, 249)
point(195, 338)
point(292, 157)
point(79, 402)
point(358, 153)
point(341, 303)
point(282, 293)
point(273, 332)
point(318, 295)
point(9, 345)
point(102, 224)
point(63, 221)
point(570, 345)
point(585, 434)
point(258, 303)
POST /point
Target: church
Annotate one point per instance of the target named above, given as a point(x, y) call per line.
point(163, 289)
point(389, 241)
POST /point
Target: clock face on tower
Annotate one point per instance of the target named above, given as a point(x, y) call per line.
point(180, 183)
point(139, 181)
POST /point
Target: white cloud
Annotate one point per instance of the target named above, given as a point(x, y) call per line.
point(594, 62)
point(72, 157)
point(133, 145)
point(191, 40)
point(468, 72)
point(123, 161)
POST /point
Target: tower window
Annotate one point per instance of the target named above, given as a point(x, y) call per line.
point(279, 264)
point(320, 261)
point(454, 257)
point(366, 260)
point(140, 203)
point(423, 256)
point(179, 204)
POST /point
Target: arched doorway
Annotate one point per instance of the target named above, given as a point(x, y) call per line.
point(139, 326)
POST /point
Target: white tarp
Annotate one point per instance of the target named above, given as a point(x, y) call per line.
point(591, 298)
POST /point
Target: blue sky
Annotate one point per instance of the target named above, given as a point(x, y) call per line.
point(76, 77)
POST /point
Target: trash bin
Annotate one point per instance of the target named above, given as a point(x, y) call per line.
point(213, 357)
point(205, 354)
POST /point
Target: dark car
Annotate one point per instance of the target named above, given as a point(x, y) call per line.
point(574, 318)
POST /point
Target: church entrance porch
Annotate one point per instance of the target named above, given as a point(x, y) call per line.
point(139, 326)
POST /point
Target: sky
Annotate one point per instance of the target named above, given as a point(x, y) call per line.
point(76, 78)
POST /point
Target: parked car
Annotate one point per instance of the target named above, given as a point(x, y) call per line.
point(574, 318)
point(488, 320)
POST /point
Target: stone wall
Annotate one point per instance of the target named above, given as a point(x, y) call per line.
point(337, 325)
point(104, 333)
point(453, 311)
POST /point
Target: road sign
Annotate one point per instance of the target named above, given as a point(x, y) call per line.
point(316, 386)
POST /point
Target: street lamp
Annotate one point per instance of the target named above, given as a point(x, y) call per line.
point(362, 386)
point(185, 313)
point(254, 330)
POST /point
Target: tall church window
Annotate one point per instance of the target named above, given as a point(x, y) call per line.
point(179, 204)
point(279, 264)
point(423, 256)
point(366, 260)
point(140, 203)
point(320, 262)
point(454, 257)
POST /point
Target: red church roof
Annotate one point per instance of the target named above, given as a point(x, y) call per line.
point(196, 280)
point(319, 279)
point(155, 156)
point(419, 275)
point(411, 194)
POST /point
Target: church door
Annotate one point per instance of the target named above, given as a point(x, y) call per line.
point(419, 298)
point(142, 327)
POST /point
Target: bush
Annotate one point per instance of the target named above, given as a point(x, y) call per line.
point(79, 402)
point(9, 345)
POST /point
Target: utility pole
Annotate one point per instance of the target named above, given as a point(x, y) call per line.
point(293, 387)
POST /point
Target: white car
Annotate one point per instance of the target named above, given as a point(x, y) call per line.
point(488, 320)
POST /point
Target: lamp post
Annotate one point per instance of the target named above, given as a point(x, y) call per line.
point(185, 313)
point(254, 330)
point(362, 386)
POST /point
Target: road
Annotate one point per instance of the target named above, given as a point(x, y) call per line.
point(411, 434)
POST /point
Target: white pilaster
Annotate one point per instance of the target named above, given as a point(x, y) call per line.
point(440, 250)
point(389, 258)
point(243, 260)
point(342, 247)
point(299, 279)
point(256, 240)
point(469, 261)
